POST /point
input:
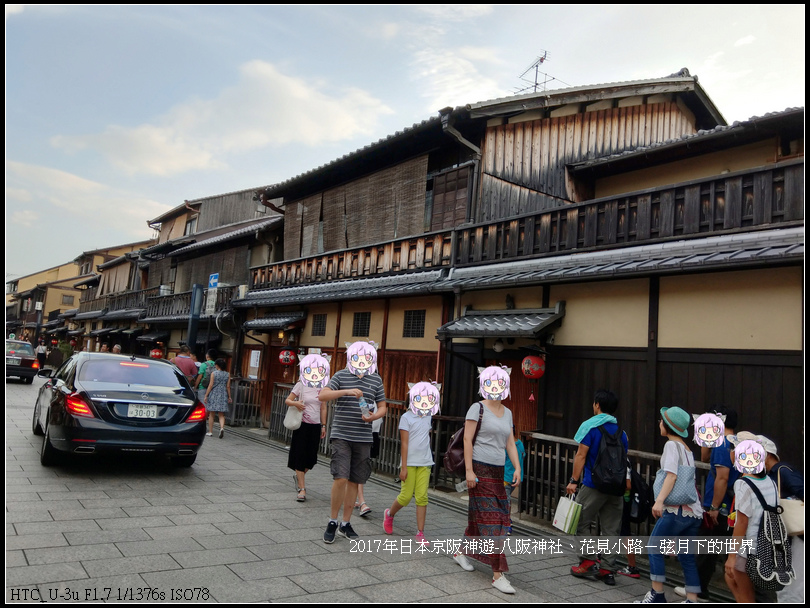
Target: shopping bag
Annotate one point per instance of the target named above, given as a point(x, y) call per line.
point(566, 517)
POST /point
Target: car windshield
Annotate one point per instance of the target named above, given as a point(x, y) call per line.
point(17, 348)
point(129, 372)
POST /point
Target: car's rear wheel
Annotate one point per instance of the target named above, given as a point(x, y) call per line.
point(29, 380)
point(48, 455)
point(184, 461)
point(35, 426)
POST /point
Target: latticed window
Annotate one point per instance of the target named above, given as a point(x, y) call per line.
point(414, 325)
point(361, 324)
point(319, 325)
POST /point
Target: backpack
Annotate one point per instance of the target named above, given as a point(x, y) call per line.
point(206, 372)
point(609, 473)
point(770, 568)
point(641, 498)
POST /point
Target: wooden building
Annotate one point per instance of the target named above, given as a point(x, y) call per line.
point(624, 229)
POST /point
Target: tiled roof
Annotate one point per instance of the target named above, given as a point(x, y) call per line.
point(502, 323)
point(278, 320)
point(228, 236)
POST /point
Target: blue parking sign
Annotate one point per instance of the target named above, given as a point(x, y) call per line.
point(213, 281)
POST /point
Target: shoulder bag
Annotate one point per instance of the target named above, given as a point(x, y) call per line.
point(294, 418)
point(454, 456)
point(684, 492)
point(792, 510)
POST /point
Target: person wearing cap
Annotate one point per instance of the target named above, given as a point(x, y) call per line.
point(790, 484)
point(674, 520)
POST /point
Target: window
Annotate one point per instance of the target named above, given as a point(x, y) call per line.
point(361, 325)
point(191, 226)
point(414, 325)
point(67, 300)
point(319, 325)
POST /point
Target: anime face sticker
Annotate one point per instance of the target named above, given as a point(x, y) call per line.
point(361, 358)
point(314, 370)
point(749, 457)
point(424, 398)
point(494, 382)
point(709, 430)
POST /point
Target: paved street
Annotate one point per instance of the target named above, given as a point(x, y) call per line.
point(229, 530)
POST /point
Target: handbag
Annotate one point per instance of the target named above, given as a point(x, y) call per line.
point(792, 511)
point(294, 418)
point(454, 456)
point(684, 492)
point(566, 516)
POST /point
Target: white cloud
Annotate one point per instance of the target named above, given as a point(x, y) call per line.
point(87, 202)
point(265, 108)
point(14, 9)
point(24, 218)
point(389, 30)
point(746, 40)
point(455, 12)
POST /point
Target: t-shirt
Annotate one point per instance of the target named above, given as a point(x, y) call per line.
point(186, 365)
point(792, 480)
point(207, 366)
point(675, 454)
point(592, 440)
point(745, 501)
point(508, 467)
point(418, 428)
point(348, 423)
point(720, 457)
point(490, 444)
point(309, 395)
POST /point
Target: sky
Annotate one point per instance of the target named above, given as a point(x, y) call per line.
point(116, 114)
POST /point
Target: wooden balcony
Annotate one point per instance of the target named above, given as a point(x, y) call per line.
point(179, 304)
point(423, 252)
point(117, 301)
point(737, 201)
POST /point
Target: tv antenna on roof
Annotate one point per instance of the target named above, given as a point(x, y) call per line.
point(536, 84)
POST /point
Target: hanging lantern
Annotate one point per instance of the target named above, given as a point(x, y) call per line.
point(73, 343)
point(156, 353)
point(533, 367)
point(54, 342)
point(287, 357)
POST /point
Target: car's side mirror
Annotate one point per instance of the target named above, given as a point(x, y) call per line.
point(46, 372)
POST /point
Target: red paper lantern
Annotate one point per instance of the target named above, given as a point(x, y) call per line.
point(54, 342)
point(533, 367)
point(156, 353)
point(287, 357)
point(73, 343)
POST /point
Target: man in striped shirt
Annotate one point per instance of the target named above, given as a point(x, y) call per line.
point(350, 436)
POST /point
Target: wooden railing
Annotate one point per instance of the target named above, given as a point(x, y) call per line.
point(413, 253)
point(248, 396)
point(736, 201)
point(180, 303)
point(116, 301)
point(549, 465)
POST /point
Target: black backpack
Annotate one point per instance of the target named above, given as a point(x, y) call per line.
point(609, 473)
point(770, 568)
point(641, 498)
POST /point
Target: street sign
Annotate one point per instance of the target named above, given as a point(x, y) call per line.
point(213, 281)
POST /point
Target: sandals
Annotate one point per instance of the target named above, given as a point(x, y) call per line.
point(302, 495)
point(364, 509)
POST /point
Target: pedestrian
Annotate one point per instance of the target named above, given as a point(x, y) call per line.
point(218, 397)
point(42, 353)
point(680, 520)
point(509, 471)
point(204, 373)
point(116, 349)
point(360, 503)
point(105, 348)
point(353, 389)
point(719, 489)
point(185, 363)
point(630, 570)
point(416, 456)
point(597, 499)
point(790, 485)
point(314, 375)
point(488, 507)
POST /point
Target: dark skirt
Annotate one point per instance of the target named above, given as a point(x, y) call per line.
point(488, 514)
point(304, 447)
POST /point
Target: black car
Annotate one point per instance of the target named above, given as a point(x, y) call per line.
point(21, 361)
point(101, 403)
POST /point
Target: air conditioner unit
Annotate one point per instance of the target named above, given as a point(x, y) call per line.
point(241, 292)
point(165, 290)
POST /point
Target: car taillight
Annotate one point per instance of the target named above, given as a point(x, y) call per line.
point(78, 406)
point(35, 365)
point(198, 413)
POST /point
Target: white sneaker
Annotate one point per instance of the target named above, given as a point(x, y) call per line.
point(462, 561)
point(681, 591)
point(502, 585)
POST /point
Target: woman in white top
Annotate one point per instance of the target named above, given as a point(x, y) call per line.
point(674, 521)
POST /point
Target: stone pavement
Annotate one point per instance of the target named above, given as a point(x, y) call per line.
point(229, 530)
